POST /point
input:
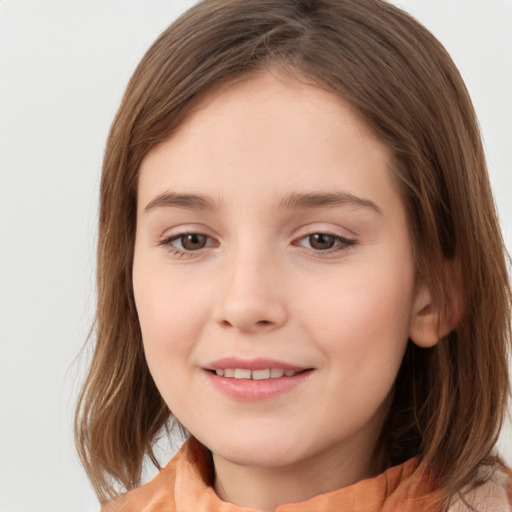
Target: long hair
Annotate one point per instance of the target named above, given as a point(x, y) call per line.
point(449, 400)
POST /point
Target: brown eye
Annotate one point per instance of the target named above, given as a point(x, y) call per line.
point(322, 241)
point(193, 241)
point(326, 243)
point(187, 243)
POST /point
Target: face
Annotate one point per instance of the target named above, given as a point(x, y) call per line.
point(273, 274)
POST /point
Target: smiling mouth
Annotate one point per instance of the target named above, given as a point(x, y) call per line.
point(258, 382)
point(264, 374)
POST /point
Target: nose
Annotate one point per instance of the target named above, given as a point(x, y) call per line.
point(250, 299)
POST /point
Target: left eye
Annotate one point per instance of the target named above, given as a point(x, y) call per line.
point(324, 241)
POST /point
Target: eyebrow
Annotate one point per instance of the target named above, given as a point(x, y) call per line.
point(297, 201)
point(188, 201)
point(292, 201)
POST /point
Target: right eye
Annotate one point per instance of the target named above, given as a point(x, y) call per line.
point(188, 242)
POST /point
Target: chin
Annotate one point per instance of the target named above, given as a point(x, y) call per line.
point(260, 451)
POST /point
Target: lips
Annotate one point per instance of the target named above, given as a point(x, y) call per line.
point(255, 379)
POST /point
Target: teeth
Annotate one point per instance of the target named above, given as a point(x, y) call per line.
point(243, 373)
point(260, 374)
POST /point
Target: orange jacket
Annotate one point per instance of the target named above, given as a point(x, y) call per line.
point(184, 485)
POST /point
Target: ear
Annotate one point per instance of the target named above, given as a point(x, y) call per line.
point(428, 324)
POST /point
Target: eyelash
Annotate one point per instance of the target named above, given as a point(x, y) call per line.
point(340, 244)
point(167, 243)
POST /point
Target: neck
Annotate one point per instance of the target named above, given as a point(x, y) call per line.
point(265, 488)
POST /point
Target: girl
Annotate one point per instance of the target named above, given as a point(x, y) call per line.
point(299, 260)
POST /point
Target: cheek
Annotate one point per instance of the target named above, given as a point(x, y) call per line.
point(170, 312)
point(362, 323)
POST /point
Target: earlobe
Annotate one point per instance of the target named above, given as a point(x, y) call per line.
point(428, 324)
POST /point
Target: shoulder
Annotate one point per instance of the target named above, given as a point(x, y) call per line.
point(156, 495)
point(495, 495)
point(182, 484)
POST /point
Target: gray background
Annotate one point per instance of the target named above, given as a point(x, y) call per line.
point(63, 67)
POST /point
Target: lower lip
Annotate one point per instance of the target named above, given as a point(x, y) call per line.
point(249, 389)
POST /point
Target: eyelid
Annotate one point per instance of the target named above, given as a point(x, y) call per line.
point(342, 240)
point(167, 241)
point(173, 238)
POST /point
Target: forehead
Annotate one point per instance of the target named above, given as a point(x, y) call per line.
point(268, 103)
point(270, 134)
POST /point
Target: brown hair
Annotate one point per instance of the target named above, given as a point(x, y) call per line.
point(449, 400)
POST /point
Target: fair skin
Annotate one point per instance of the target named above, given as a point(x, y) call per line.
point(269, 228)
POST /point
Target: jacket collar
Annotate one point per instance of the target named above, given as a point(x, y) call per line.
point(399, 488)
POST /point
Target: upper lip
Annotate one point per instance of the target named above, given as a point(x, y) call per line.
point(252, 364)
